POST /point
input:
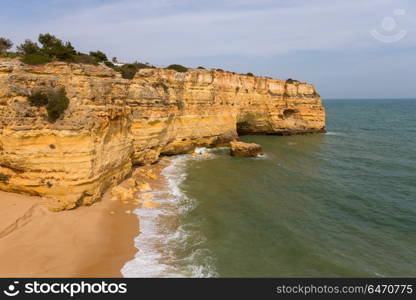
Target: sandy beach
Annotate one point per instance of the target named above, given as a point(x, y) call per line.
point(94, 241)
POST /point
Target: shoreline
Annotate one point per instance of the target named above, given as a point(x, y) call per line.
point(93, 241)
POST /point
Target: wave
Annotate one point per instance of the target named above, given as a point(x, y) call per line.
point(335, 133)
point(168, 248)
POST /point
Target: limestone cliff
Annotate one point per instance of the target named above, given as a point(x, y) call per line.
point(113, 123)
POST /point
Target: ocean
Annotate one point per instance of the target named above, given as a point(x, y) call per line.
point(340, 204)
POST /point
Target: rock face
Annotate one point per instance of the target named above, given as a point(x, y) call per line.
point(245, 149)
point(113, 123)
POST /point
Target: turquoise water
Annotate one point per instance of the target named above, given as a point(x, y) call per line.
point(335, 204)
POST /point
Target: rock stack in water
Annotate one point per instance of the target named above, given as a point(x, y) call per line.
point(245, 149)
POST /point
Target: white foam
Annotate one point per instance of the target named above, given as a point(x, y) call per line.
point(166, 250)
point(206, 153)
point(335, 133)
point(261, 156)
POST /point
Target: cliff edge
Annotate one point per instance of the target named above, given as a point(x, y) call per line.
point(113, 123)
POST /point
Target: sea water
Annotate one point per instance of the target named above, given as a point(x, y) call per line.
point(325, 205)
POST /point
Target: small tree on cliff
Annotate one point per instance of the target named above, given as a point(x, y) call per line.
point(177, 68)
point(31, 53)
point(57, 104)
point(99, 56)
point(55, 48)
point(38, 99)
point(5, 44)
point(28, 47)
point(52, 49)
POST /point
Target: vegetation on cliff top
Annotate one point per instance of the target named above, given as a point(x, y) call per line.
point(291, 81)
point(129, 70)
point(49, 48)
point(5, 45)
point(177, 68)
point(56, 102)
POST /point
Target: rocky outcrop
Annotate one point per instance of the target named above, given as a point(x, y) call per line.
point(113, 123)
point(245, 149)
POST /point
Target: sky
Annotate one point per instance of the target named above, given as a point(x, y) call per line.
point(347, 49)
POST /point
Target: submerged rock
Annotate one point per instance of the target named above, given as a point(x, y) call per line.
point(245, 149)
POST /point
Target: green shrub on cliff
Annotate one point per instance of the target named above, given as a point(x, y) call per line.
point(250, 74)
point(109, 64)
point(28, 47)
point(53, 49)
point(5, 45)
point(82, 58)
point(4, 178)
point(50, 48)
point(291, 81)
point(177, 68)
point(38, 99)
point(57, 104)
point(129, 70)
point(99, 56)
point(35, 59)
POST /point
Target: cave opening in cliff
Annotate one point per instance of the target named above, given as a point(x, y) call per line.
point(287, 113)
point(242, 128)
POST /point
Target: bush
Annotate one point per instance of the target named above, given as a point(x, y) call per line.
point(5, 44)
point(38, 99)
point(82, 58)
point(291, 81)
point(202, 68)
point(250, 74)
point(99, 56)
point(28, 47)
point(55, 48)
point(109, 64)
point(57, 104)
point(140, 65)
point(9, 54)
point(52, 49)
point(4, 178)
point(177, 68)
point(127, 71)
point(220, 70)
point(35, 59)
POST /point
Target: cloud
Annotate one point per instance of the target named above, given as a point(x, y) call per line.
point(171, 29)
point(327, 42)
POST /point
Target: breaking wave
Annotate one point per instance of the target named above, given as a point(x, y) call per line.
point(168, 248)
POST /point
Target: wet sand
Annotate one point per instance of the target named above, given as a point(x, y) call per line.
point(94, 241)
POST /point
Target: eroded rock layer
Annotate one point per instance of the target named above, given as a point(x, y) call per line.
point(112, 123)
